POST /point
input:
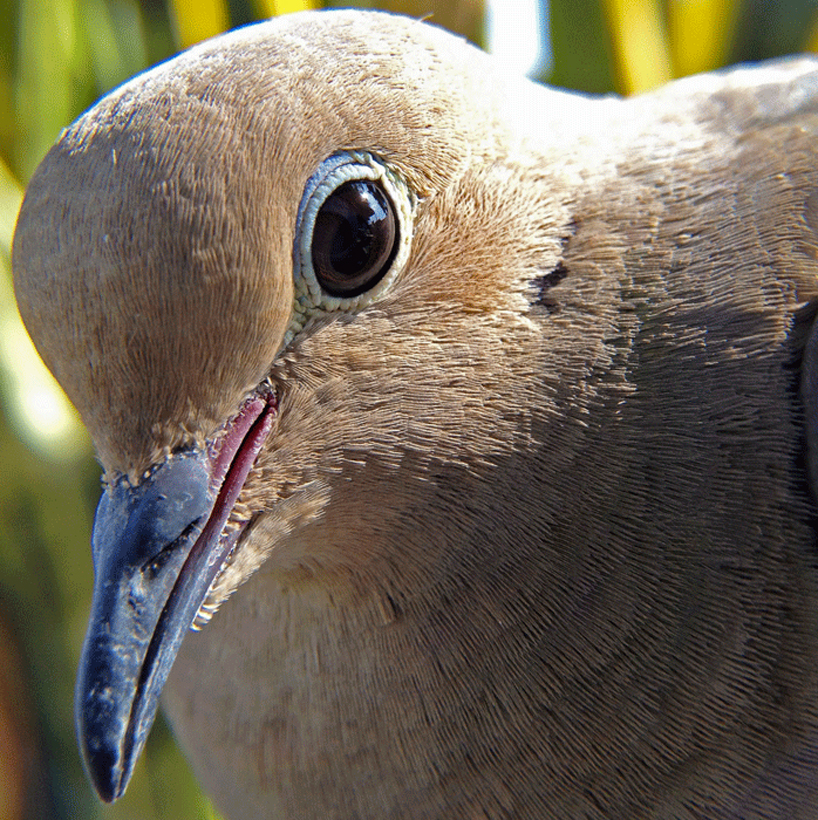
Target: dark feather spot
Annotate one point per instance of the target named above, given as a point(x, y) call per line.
point(543, 284)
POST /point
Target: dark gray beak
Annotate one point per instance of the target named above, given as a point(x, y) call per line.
point(157, 548)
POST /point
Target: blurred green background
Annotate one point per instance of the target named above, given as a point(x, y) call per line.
point(56, 58)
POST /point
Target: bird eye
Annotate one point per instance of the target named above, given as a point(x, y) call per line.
point(354, 238)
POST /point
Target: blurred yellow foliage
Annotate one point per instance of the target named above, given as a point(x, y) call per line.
point(196, 20)
point(700, 33)
point(640, 44)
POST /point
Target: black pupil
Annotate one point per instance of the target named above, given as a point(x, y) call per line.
point(354, 239)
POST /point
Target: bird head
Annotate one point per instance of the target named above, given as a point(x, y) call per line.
point(289, 281)
point(356, 320)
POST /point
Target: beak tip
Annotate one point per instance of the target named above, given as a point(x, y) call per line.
point(106, 778)
point(102, 754)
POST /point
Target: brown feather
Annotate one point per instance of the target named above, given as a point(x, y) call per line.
point(532, 535)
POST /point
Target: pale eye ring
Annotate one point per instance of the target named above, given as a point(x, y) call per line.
point(352, 236)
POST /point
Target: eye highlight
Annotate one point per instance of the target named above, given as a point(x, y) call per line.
point(352, 237)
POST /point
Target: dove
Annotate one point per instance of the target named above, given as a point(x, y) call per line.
point(458, 433)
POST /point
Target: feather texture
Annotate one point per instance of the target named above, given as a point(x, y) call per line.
point(532, 534)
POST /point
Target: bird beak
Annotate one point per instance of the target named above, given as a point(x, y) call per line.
point(157, 547)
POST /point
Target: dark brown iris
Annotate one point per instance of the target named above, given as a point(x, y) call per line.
point(354, 239)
